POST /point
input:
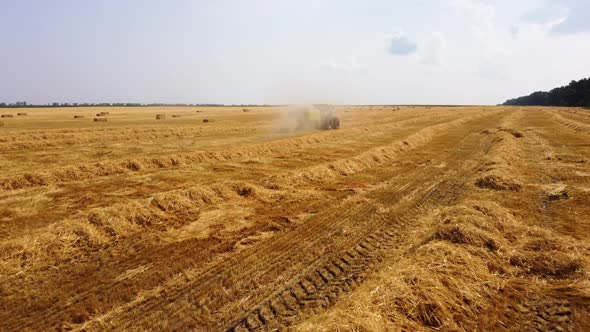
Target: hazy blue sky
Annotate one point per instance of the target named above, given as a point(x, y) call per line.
point(282, 51)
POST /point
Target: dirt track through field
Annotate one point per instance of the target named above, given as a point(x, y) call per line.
point(266, 231)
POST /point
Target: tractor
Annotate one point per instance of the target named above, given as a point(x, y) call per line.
point(319, 116)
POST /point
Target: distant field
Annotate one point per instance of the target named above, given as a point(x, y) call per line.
point(411, 218)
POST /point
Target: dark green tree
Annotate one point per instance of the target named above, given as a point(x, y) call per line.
point(575, 94)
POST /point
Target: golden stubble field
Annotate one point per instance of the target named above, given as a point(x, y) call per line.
point(406, 218)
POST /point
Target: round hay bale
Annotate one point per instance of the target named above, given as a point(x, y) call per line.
point(245, 110)
point(99, 114)
point(160, 116)
point(176, 115)
point(6, 116)
point(100, 119)
point(79, 116)
point(21, 114)
point(205, 120)
point(105, 113)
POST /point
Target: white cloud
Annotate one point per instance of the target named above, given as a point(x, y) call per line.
point(481, 16)
point(537, 23)
point(576, 20)
point(433, 49)
point(349, 64)
point(531, 31)
point(560, 17)
point(489, 48)
point(400, 45)
point(546, 13)
point(514, 31)
point(494, 69)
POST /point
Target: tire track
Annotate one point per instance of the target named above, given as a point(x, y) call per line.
point(325, 281)
point(571, 124)
point(247, 262)
point(328, 222)
point(202, 288)
point(561, 149)
point(166, 256)
point(59, 313)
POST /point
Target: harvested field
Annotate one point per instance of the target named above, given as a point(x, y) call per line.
point(405, 218)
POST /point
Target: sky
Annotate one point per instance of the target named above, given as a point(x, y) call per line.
point(290, 51)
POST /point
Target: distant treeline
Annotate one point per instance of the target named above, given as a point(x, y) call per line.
point(575, 94)
point(22, 104)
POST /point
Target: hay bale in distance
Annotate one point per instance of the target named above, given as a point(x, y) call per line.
point(6, 116)
point(79, 116)
point(105, 113)
point(100, 119)
point(245, 110)
point(205, 120)
point(160, 116)
point(176, 115)
point(21, 114)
